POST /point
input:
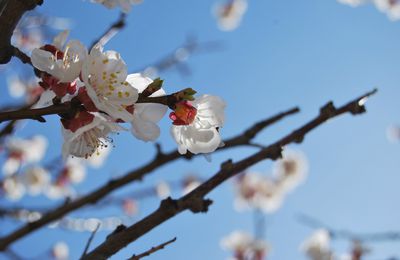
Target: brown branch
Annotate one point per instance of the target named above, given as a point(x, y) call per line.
point(22, 56)
point(111, 31)
point(69, 107)
point(12, 12)
point(195, 201)
point(159, 160)
point(90, 240)
point(152, 250)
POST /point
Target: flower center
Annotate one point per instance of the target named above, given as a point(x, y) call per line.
point(184, 113)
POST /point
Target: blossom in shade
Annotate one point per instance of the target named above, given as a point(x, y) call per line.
point(196, 124)
point(104, 75)
point(146, 116)
point(23, 151)
point(20, 87)
point(229, 14)
point(36, 179)
point(13, 188)
point(86, 140)
point(163, 189)
point(62, 61)
point(317, 246)
point(130, 207)
point(125, 5)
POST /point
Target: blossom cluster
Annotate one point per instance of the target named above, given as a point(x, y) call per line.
point(389, 7)
point(104, 96)
point(256, 191)
point(229, 14)
point(24, 174)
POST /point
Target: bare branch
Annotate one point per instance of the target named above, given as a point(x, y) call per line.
point(90, 240)
point(112, 185)
point(21, 56)
point(152, 250)
point(195, 201)
point(11, 13)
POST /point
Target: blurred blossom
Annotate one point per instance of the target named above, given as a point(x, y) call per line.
point(73, 172)
point(353, 3)
point(60, 251)
point(393, 133)
point(125, 5)
point(229, 14)
point(254, 190)
point(36, 179)
point(13, 188)
point(244, 246)
point(291, 170)
point(190, 183)
point(18, 87)
point(130, 207)
point(390, 7)
point(28, 39)
point(55, 192)
point(23, 151)
point(163, 190)
point(317, 246)
point(358, 250)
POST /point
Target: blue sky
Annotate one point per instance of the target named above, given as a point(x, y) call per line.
point(285, 53)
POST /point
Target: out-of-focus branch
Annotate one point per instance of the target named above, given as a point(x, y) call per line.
point(11, 13)
point(90, 240)
point(22, 56)
point(195, 201)
point(111, 31)
point(152, 250)
point(159, 160)
point(178, 56)
point(349, 235)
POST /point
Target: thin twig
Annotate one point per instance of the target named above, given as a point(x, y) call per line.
point(349, 235)
point(90, 240)
point(152, 250)
point(111, 31)
point(195, 201)
point(134, 175)
point(22, 56)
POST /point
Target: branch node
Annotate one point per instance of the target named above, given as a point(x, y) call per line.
point(227, 165)
point(200, 205)
point(328, 110)
point(118, 229)
point(169, 204)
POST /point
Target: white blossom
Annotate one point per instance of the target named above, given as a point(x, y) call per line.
point(146, 116)
point(245, 246)
point(104, 75)
point(163, 189)
point(200, 134)
point(353, 3)
point(87, 139)
point(62, 61)
point(317, 246)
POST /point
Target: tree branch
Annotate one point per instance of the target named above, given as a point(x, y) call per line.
point(152, 250)
point(195, 202)
point(90, 240)
point(130, 177)
point(11, 13)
